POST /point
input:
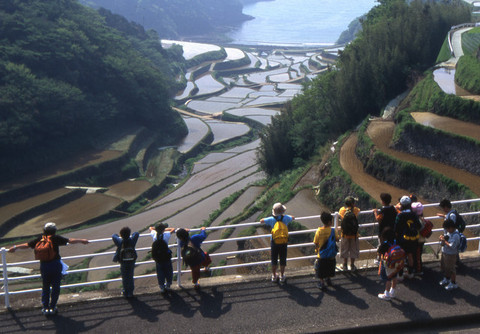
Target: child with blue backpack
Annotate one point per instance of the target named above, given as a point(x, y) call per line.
point(450, 246)
point(392, 262)
point(325, 241)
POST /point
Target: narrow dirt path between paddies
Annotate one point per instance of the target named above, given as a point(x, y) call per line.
point(381, 133)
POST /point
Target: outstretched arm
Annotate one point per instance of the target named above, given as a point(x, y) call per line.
point(15, 247)
point(78, 241)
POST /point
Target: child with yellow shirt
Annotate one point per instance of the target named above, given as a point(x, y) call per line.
point(325, 241)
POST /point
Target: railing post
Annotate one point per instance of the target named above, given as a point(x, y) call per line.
point(335, 220)
point(5, 277)
point(179, 264)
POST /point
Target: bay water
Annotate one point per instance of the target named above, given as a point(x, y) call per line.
point(298, 22)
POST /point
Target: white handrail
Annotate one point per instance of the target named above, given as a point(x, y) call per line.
point(179, 271)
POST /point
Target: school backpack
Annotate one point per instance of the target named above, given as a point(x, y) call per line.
point(395, 257)
point(410, 231)
point(191, 255)
point(329, 248)
point(459, 221)
point(280, 232)
point(462, 246)
point(426, 231)
point(349, 223)
point(44, 250)
point(127, 253)
point(160, 251)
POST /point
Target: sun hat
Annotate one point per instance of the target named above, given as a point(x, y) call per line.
point(417, 207)
point(49, 227)
point(278, 209)
point(405, 200)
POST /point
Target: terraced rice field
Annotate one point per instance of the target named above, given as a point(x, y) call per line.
point(216, 176)
point(191, 49)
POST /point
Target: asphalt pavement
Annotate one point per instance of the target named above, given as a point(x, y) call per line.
point(261, 306)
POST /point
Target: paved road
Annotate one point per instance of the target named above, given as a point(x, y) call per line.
point(297, 307)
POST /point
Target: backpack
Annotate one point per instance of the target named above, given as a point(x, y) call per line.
point(410, 232)
point(160, 251)
point(426, 231)
point(459, 221)
point(329, 248)
point(44, 250)
point(349, 223)
point(462, 246)
point(191, 255)
point(280, 232)
point(127, 253)
point(395, 257)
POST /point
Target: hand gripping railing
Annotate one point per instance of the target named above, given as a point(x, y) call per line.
point(6, 292)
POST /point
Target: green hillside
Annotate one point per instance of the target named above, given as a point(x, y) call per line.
point(399, 40)
point(65, 77)
point(174, 18)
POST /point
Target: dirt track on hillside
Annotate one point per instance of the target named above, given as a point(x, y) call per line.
point(448, 124)
point(354, 167)
point(381, 133)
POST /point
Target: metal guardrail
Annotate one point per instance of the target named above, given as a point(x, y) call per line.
point(6, 280)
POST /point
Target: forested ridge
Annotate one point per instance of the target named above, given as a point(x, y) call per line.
point(65, 77)
point(398, 41)
point(174, 18)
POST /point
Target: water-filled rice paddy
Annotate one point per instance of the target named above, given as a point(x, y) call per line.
point(78, 211)
point(11, 210)
point(208, 85)
point(128, 190)
point(252, 111)
point(197, 130)
point(234, 54)
point(267, 100)
point(279, 77)
point(445, 78)
point(191, 49)
point(224, 131)
point(210, 107)
point(186, 92)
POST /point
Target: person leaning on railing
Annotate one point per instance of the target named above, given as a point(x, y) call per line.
point(51, 270)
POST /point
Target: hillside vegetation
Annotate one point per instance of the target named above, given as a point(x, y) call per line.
point(66, 77)
point(174, 18)
point(398, 41)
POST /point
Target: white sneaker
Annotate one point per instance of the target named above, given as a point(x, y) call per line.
point(391, 293)
point(283, 279)
point(274, 278)
point(444, 281)
point(384, 296)
point(451, 286)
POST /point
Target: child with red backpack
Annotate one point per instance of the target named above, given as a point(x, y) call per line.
point(392, 262)
point(46, 249)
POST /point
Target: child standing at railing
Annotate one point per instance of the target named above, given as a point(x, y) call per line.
point(126, 255)
point(47, 251)
point(162, 255)
point(350, 245)
point(450, 242)
point(325, 241)
point(279, 242)
point(192, 254)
